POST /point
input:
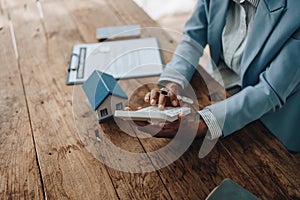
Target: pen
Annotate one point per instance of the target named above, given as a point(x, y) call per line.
point(185, 99)
point(179, 97)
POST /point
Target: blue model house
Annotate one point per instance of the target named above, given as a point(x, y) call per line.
point(104, 95)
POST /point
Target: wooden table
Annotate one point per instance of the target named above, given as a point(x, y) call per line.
point(41, 153)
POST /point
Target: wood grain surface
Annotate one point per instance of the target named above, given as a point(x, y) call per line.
point(52, 147)
point(19, 170)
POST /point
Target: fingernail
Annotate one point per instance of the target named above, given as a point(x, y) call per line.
point(160, 107)
point(152, 102)
point(174, 102)
point(127, 108)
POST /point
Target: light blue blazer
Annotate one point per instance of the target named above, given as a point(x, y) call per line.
point(270, 68)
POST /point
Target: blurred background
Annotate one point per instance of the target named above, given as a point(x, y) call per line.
point(170, 14)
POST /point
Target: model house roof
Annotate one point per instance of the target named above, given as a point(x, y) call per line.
point(99, 86)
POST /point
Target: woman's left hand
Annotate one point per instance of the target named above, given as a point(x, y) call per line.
point(169, 129)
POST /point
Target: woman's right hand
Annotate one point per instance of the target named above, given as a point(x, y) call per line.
point(160, 97)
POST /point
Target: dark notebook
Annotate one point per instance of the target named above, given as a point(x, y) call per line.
point(230, 190)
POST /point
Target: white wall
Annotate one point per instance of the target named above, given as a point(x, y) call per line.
point(159, 8)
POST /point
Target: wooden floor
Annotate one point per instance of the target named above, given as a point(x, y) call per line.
point(43, 154)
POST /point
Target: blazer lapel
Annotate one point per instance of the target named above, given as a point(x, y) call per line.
point(267, 14)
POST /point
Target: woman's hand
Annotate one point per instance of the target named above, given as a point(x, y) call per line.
point(187, 123)
point(163, 97)
point(156, 96)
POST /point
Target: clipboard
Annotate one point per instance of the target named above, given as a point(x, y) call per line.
point(122, 59)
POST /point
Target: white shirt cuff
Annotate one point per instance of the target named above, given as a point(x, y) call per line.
point(214, 128)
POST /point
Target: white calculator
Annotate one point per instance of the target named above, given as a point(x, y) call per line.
point(152, 113)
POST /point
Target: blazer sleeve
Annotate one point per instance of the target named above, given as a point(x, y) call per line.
point(186, 56)
point(276, 84)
